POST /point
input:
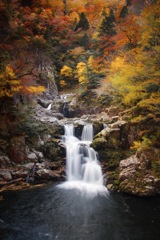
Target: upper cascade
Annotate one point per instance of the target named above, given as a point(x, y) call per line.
point(87, 133)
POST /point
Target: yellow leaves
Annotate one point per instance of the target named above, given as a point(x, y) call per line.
point(9, 72)
point(81, 68)
point(35, 89)
point(9, 84)
point(132, 94)
point(73, 17)
point(146, 142)
point(117, 63)
point(66, 76)
point(63, 83)
point(136, 145)
point(126, 77)
point(151, 25)
point(66, 71)
point(90, 62)
point(152, 100)
point(82, 73)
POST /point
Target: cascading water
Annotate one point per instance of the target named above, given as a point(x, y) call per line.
point(82, 166)
point(87, 133)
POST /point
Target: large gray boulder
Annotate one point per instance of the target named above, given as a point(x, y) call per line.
point(137, 175)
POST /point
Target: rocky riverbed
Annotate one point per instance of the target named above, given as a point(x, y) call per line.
point(27, 161)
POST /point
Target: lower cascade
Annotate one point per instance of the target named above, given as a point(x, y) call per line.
point(82, 166)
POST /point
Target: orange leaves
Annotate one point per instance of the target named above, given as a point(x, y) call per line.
point(76, 52)
point(33, 89)
point(128, 31)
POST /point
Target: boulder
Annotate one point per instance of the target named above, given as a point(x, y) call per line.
point(112, 111)
point(32, 156)
point(6, 175)
point(17, 151)
point(4, 161)
point(53, 150)
point(47, 174)
point(20, 174)
point(137, 176)
point(99, 143)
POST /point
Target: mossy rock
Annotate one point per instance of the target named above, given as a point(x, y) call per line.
point(97, 126)
point(99, 143)
point(52, 150)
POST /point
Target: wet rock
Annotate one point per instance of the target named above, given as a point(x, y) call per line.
point(46, 174)
point(6, 175)
point(20, 174)
point(32, 156)
point(39, 154)
point(28, 165)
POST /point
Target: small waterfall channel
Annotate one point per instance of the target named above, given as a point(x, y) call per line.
point(82, 166)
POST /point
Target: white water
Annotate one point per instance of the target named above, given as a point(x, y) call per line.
point(82, 166)
point(87, 134)
point(49, 106)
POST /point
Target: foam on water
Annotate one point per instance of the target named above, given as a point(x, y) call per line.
point(86, 189)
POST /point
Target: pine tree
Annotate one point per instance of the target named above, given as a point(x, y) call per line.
point(124, 12)
point(83, 23)
point(108, 25)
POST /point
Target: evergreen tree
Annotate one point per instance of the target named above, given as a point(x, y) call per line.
point(84, 41)
point(48, 34)
point(108, 25)
point(83, 23)
point(124, 12)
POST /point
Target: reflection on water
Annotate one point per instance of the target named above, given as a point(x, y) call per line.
point(52, 213)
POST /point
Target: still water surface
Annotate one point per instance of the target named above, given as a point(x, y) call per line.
point(52, 213)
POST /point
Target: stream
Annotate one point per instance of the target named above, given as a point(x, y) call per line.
point(51, 212)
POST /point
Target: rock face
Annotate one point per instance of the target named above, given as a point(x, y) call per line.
point(17, 149)
point(137, 175)
point(139, 172)
point(112, 137)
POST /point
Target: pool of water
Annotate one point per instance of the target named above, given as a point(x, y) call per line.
point(53, 213)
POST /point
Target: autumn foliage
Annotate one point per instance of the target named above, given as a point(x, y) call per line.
point(85, 43)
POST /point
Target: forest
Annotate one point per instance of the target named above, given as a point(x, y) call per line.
point(79, 119)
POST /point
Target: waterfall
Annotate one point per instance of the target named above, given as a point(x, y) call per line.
point(49, 106)
point(82, 162)
point(87, 133)
point(66, 110)
point(83, 169)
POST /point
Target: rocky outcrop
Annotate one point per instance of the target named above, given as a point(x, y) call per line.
point(53, 149)
point(112, 137)
point(137, 174)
